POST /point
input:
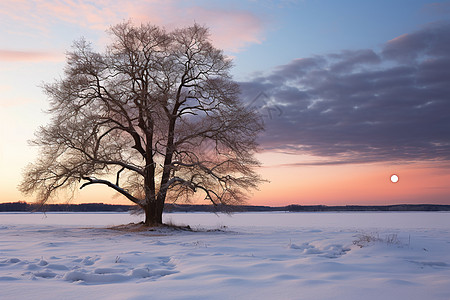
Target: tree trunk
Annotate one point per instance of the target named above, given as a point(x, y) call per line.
point(155, 207)
point(153, 214)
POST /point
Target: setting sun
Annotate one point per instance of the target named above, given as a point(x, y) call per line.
point(394, 178)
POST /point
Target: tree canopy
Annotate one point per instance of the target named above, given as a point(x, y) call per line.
point(156, 117)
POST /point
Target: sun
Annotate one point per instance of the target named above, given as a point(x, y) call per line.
point(394, 178)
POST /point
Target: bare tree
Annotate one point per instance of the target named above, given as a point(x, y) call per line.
point(155, 117)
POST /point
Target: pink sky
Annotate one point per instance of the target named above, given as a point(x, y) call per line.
point(355, 184)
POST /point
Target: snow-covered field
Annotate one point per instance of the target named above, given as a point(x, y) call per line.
point(243, 256)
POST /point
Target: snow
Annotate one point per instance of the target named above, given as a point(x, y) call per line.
point(399, 255)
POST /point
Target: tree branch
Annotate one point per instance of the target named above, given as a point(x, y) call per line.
point(93, 180)
point(118, 175)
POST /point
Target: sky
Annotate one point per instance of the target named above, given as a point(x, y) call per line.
point(350, 92)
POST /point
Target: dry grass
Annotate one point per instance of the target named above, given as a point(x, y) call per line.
point(366, 239)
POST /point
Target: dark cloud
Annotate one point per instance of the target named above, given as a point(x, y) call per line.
point(362, 106)
point(432, 41)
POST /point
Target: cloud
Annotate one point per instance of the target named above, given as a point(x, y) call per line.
point(363, 105)
point(430, 42)
point(232, 29)
point(28, 56)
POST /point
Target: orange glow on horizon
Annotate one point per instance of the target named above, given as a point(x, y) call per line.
point(354, 184)
point(346, 184)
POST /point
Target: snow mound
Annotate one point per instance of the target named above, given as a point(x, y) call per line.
point(329, 251)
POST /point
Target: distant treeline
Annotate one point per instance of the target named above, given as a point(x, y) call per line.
point(101, 207)
point(85, 207)
point(306, 208)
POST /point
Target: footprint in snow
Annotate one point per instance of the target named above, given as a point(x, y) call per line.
point(81, 270)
